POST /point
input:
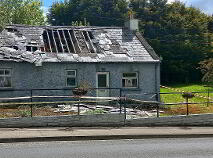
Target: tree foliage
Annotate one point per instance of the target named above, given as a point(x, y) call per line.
point(21, 12)
point(179, 34)
point(207, 69)
point(96, 12)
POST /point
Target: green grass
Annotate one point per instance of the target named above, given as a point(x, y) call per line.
point(177, 98)
point(194, 88)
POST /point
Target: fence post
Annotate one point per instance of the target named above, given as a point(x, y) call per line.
point(187, 106)
point(120, 102)
point(31, 105)
point(208, 98)
point(158, 110)
point(125, 108)
point(157, 98)
point(78, 105)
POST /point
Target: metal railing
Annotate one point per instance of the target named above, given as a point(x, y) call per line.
point(33, 103)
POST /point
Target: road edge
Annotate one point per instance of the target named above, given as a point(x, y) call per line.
point(100, 137)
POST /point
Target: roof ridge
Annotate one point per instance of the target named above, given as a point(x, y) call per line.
point(73, 27)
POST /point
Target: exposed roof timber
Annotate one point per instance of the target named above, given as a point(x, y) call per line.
point(48, 37)
point(85, 41)
point(60, 41)
point(76, 41)
point(71, 41)
point(91, 43)
point(54, 41)
point(66, 41)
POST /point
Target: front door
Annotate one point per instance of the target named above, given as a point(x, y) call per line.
point(102, 83)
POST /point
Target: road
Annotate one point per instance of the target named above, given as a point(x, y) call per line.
point(146, 148)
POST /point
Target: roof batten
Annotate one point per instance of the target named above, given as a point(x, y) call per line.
point(54, 41)
point(62, 47)
point(91, 42)
point(74, 35)
point(71, 41)
point(85, 42)
point(48, 37)
point(66, 41)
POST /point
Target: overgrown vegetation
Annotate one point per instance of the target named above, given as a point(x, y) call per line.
point(96, 111)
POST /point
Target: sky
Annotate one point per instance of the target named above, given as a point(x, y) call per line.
point(204, 5)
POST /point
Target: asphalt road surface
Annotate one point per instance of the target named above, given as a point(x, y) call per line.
point(146, 148)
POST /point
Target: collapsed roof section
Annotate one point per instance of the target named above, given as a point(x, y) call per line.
point(36, 44)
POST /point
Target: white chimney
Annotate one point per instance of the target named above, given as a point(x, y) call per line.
point(132, 24)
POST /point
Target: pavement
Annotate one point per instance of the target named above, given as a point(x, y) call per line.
point(11, 135)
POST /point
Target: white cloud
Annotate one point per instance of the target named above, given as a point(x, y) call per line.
point(206, 7)
point(45, 9)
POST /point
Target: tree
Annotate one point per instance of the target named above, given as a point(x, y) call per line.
point(206, 67)
point(178, 34)
point(21, 12)
point(96, 12)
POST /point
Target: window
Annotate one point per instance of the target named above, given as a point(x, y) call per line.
point(130, 80)
point(71, 78)
point(5, 78)
point(31, 48)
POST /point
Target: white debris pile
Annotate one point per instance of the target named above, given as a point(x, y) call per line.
point(84, 109)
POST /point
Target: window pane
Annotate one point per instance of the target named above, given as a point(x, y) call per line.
point(129, 74)
point(71, 81)
point(71, 73)
point(7, 82)
point(7, 72)
point(134, 83)
point(123, 83)
point(1, 81)
point(1, 72)
point(102, 80)
point(35, 49)
point(129, 83)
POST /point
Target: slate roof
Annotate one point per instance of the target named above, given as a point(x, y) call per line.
point(38, 44)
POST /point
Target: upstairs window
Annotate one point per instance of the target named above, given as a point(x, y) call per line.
point(5, 78)
point(71, 78)
point(130, 80)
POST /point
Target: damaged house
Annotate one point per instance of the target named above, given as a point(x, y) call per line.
point(59, 57)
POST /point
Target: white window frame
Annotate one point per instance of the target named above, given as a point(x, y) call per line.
point(5, 75)
point(129, 79)
point(71, 76)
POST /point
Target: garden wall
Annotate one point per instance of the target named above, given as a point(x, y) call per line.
point(62, 121)
point(105, 120)
point(191, 120)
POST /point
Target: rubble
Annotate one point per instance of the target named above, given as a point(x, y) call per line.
point(131, 113)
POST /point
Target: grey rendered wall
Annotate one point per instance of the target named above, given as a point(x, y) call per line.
point(191, 120)
point(52, 75)
point(68, 121)
point(106, 120)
